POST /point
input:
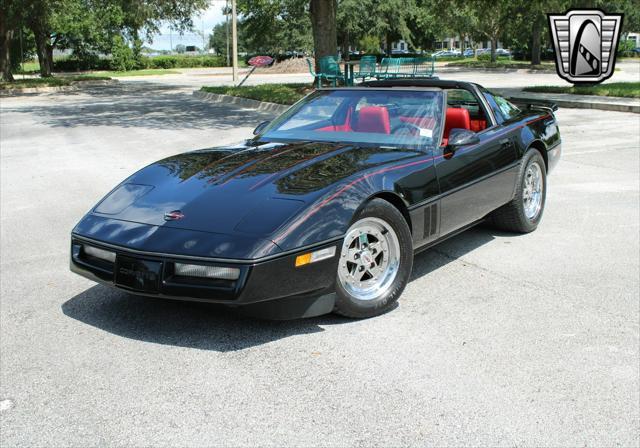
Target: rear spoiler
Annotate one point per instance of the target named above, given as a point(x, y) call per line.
point(532, 104)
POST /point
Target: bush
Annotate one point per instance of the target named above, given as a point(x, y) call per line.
point(163, 62)
point(75, 64)
point(626, 48)
point(185, 61)
point(370, 44)
point(122, 57)
point(486, 57)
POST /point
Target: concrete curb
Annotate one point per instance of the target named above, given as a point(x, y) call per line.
point(454, 69)
point(242, 102)
point(617, 107)
point(75, 85)
point(577, 101)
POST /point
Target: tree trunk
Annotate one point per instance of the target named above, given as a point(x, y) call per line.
point(50, 57)
point(42, 51)
point(535, 41)
point(323, 24)
point(345, 47)
point(494, 44)
point(5, 49)
point(388, 44)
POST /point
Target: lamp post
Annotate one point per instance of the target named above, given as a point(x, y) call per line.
point(234, 38)
point(226, 17)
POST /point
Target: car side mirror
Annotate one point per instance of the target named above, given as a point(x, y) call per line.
point(260, 127)
point(461, 137)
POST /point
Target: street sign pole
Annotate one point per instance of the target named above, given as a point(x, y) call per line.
point(234, 37)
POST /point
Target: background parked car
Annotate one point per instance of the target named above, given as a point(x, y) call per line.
point(468, 53)
point(447, 53)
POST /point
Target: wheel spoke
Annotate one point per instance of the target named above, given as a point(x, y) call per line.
point(375, 248)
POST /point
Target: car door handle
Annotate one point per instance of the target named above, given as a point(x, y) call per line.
point(506, 143)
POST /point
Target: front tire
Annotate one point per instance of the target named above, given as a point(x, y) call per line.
point(524, 212)
point(375, 261)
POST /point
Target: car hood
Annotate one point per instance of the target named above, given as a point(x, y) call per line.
point(248, 189)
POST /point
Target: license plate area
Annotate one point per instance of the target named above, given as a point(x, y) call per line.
point(137, 274)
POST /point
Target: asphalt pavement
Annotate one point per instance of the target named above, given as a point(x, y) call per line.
point(498, 340)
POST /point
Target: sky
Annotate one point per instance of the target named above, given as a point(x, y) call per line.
point(208, 19)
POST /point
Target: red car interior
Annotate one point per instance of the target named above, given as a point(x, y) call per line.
point(345, 127)
point(478, 125)
point(374, 119)
point(456, 118)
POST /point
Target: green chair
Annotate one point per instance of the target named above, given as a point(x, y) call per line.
point(424, 67)
point(329, 70)
point(407, 67)
point(366, 68)
point(389, 68)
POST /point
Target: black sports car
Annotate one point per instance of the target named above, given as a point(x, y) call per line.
point(324, 208)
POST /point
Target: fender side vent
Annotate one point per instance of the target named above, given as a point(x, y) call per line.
point(430, 221)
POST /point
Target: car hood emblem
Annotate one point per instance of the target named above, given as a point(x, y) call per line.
point(173, 216)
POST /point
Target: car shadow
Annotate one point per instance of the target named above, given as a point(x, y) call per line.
point(218, 328)
point(139, 105)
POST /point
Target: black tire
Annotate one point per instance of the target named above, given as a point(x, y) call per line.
point(348, 305)
point(512, 217)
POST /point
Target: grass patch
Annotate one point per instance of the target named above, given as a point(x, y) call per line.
point(619, 89)
point(273, 93)
point(502, 63)
point(50, 82)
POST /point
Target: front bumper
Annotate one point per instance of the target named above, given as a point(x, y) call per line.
point(154, 275)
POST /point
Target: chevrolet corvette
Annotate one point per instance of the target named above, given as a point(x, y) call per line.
point(325, 206)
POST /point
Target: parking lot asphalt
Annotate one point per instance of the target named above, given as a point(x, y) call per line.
point(499, 339)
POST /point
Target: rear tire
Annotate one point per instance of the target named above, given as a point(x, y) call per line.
point(524, 212)
point(375, 261)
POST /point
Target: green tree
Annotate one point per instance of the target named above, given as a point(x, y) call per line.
point(392, 19)
point(81, 24)
point(275, 26)
point(353, 24)
point(486, 20)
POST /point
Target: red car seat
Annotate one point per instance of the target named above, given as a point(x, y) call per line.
point(456, 118)
point(373, 119)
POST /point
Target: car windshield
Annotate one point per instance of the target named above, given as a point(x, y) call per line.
point(387, 117)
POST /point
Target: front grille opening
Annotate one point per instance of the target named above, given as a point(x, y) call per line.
point(94, 258)
point(184, 276)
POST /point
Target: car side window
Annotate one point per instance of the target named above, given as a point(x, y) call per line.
point(508, 109)
point(462, 98)
point(502, 108)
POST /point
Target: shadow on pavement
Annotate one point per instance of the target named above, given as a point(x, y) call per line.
point(140, 104)
point(215, 327)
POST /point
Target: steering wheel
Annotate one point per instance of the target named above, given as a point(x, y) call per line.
point(406, 129)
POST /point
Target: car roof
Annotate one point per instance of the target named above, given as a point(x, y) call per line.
point(421, 82)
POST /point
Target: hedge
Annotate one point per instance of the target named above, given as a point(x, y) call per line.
point(73, 64)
